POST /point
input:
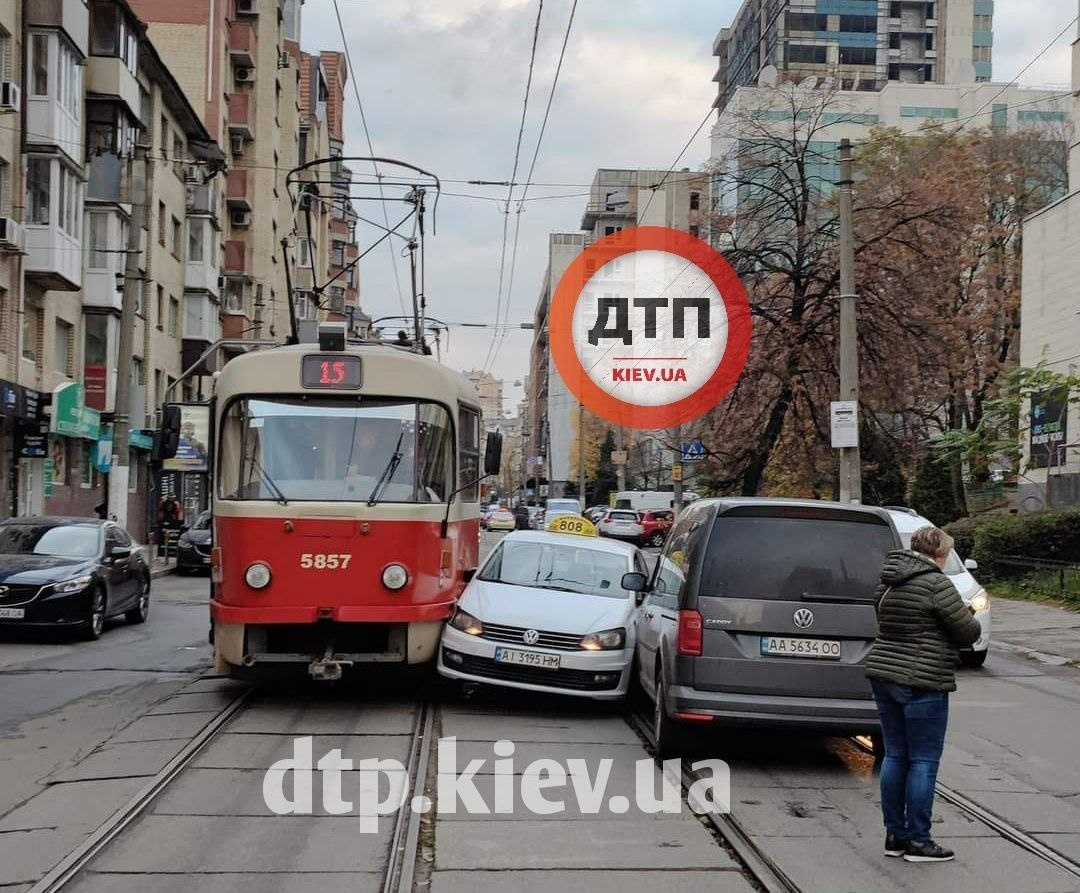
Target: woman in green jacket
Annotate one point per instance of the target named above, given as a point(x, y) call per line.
point(912, 667)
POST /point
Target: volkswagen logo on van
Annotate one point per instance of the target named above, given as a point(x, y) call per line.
point(804, 618)
point(530, 637)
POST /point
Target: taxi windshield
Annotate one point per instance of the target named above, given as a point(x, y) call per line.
point(335, 450)
point(567, 567)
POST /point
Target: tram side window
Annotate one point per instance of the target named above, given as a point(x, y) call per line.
point(469, 459)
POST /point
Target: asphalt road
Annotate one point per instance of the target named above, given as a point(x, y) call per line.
point(85, 725)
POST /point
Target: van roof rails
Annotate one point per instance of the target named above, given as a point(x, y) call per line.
point(901, 508)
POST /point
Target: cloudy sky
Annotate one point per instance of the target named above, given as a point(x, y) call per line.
point(442, 83)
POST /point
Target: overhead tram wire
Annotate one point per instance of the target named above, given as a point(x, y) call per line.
point(513, 175)
point(371, 149)
point(528, 178)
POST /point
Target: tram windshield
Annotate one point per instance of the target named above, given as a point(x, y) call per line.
point(335, 450)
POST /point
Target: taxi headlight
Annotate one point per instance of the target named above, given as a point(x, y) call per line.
point(465, 621)
point(980, 601)
point(394, 576)
point(257, 576)
point(608, 640)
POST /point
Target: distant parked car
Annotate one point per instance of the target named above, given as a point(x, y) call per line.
point(655, 526)
point(194, 546)
point(621, 524)
point(595, 512)
point(502, 519)
point(70, 572)
point(557, 507)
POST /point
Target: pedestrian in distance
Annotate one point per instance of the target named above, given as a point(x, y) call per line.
point(521, 517)
point(912, 668)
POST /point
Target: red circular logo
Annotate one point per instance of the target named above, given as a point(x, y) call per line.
point(650, 327)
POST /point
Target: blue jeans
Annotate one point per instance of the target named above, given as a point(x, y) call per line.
point(913, 722)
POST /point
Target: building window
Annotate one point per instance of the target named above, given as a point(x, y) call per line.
point(807, 21)
point(858, 56)
point(30, 334)
point(89, 480)
point(69, 80)
point(304, 251)
point(161, 223)
point(337, 254)
point(178, 155)
point(177, 238)
point(98, 228)
point(804, 53)
point(160, 318)
point(39, 65)
point(195, 241)
point(983, 23)
point(64, 348)
point(695, 230)
point(695, 201)
point(112, 35)
point(981, 54)
point(174, 317)
point(37, 190)
point(95, 340)
point(301, 150)
point(234, 296)
point(163, 126)
point(858, 24)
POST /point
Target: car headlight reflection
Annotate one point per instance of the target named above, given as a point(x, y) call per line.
point(465, 622)
point(980, 601)
point(78, 584)
point(608, 640)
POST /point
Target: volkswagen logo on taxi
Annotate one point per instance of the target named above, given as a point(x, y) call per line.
point(803, 618)
point(650, 327)
point(530, 637)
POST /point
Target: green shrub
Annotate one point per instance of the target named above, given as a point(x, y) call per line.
point(963, 531)
point(932, 492)
point(1053, 535)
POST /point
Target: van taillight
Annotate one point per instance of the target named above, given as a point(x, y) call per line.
point(688, 641)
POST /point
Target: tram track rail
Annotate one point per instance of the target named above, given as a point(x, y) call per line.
point(766, 873)
point(1002, 826)
point(403, 846)
point(61, 874)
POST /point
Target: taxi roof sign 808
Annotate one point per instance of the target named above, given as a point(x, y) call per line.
point(650, 327)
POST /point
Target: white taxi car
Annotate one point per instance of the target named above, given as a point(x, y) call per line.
point(549, 612)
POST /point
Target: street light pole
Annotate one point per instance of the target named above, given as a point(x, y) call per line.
point(118, 475)
point(850, 461)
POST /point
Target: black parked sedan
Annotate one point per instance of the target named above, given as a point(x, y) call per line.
point(70, 572)
point(194, 545)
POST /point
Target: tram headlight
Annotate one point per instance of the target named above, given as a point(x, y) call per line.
point(257, 576)
point(394, 576)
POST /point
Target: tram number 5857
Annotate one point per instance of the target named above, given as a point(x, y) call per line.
point(331, 561)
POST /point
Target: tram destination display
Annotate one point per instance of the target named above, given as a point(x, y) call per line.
point(331, 371)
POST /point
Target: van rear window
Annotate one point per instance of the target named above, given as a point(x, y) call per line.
point(794, 559)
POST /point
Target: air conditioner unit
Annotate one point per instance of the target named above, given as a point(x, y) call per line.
point(238, 145)
point(247, 7)
point(283, 59)
point(245, 75)
point(9, 97)
point(11, 234)
point(240, 217)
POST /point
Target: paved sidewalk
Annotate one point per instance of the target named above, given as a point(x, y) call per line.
point(1039, 631)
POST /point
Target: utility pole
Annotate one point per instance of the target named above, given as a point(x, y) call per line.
point(620, 469)
point(581, 453)
point(850, 461)
point(676, 469)
point(118, 476)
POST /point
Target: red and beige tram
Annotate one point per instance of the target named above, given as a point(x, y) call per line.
point(346, 505)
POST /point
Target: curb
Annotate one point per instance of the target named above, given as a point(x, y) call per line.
point(157, 572)
point(1052, 660)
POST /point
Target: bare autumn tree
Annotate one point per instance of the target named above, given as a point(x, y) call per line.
point(778, 227)
point(938, 222)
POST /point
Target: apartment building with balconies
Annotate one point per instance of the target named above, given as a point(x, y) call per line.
point(860, 44)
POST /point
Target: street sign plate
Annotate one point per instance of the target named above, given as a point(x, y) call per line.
point(845, 424)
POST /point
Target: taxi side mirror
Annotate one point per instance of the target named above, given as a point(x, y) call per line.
point(634, 582)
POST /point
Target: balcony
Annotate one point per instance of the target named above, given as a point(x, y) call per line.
point(110, 76)
point(201, 320)
point(201, 199)
point(243, 44)
point(237, 259)
point(71, 16)
point(106, 180)
point(242, 115)
point(236, 190)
